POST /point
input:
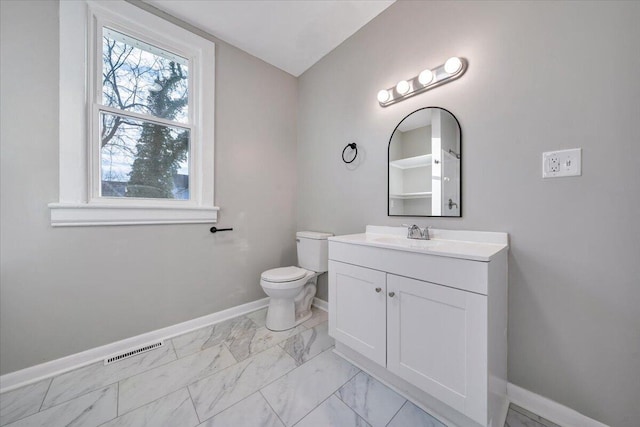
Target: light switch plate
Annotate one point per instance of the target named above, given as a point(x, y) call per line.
point(562, 163)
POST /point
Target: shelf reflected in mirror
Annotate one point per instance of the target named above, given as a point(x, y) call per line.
point(424, 165)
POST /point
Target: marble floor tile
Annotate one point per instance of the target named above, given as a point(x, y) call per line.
point(213, 335)
point(332, 412)
point(92, 377)
point(22, 402)
point(259, 317)
point(308, 344)
point(529, 414)
point(257, 340)
point(279, 378)
point(175, 409)
point(318, 316)
point(411, 415)
point(297, 393)
point(372, 400)
point(516, 419)
point(88, 410)
point(253, 411)
point(222, 390)
point(148, 386)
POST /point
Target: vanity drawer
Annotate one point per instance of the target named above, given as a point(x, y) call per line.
point(457, 273)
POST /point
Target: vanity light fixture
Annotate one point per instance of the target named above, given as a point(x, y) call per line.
point(402, 87)
point(453, 65)
point(425, 77)
point(453, 68)
point(383, 96)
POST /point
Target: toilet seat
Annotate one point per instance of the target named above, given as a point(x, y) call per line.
point(284, 274)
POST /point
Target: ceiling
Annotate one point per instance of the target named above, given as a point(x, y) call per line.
point(289, 34)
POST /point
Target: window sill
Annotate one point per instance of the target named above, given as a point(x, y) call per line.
point(82, 214)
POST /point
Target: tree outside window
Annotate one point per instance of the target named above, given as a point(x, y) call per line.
point(144, 134)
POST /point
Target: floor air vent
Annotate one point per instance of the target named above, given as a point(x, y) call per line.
point(130, 353)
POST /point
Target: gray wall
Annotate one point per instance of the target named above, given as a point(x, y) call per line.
point(66, 290)
point(541, 77)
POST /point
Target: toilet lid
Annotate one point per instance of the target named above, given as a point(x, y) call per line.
point(284, 274)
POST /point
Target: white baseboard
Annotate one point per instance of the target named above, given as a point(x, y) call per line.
point(36, 373)
point(321, 304)
point(549, 409)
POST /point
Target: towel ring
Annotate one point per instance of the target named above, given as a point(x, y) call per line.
point(353, 146)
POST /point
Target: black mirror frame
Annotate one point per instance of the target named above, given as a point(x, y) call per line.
point(389, 160)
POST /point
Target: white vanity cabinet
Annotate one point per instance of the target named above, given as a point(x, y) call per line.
point(429, 314)
point(433, 340)
point(359, 318)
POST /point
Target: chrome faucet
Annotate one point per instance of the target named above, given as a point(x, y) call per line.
point(414, 232)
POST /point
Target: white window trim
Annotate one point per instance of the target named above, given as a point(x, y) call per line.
point(77, 205)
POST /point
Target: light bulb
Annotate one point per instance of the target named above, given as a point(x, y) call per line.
point(453, 65)
point(402, 87)
point(425, 77)
point(383, 96)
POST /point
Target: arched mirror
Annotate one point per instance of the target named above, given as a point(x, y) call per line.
point(424, 165)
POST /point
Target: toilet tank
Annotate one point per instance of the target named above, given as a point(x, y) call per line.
point(313, 250)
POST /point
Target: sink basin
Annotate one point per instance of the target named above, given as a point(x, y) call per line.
point(405, 242)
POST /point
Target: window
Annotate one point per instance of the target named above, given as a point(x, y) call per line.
point(143, 118)
point(136, 118)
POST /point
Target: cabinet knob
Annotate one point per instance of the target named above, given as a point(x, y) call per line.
point(378, 290)
point(392, 294)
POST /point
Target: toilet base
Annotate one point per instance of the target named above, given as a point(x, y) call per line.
point(287, 313)
point(303, 317)
point(278, 325)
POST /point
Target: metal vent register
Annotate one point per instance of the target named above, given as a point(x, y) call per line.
point(130, 353)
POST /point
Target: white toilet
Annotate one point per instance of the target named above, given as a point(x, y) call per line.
point(292, 288)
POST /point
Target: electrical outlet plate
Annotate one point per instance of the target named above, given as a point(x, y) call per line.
point(562, 163)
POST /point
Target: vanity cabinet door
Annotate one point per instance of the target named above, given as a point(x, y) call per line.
point(437, 341)
point(357, 309)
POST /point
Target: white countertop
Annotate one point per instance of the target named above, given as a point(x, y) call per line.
point(471, 245)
